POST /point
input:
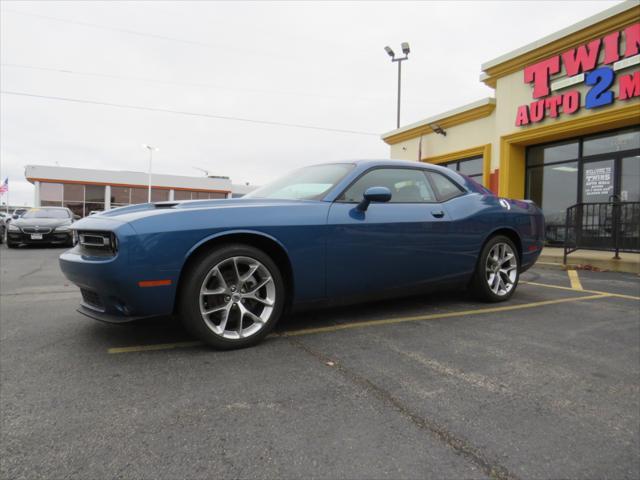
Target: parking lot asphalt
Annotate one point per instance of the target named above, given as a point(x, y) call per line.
point(546, 385)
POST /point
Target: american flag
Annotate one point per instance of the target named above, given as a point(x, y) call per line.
point(4, 188)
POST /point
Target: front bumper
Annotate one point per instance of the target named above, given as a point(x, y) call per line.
point(107, 318)
point(110, 287)
point(47, 238)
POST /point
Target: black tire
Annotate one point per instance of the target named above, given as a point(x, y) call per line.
point(10, 244)
point(192, 281)
point(480, 283)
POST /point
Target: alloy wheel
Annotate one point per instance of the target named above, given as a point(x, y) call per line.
point(501, 269)
point(237, 297)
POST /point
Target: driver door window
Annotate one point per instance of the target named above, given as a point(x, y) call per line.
point(406, 185)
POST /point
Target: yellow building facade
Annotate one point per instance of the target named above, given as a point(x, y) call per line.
point(571, 99)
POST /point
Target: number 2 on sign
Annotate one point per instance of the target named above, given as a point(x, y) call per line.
point(600, 95)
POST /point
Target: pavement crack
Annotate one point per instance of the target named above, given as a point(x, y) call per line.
point(36, 270)
point(459, 445)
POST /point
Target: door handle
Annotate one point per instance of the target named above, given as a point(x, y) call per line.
point(437, 213)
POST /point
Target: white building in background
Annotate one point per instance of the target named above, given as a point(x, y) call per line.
point(84, 190)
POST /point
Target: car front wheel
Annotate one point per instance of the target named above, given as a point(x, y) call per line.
point(497, 272)
point(232, 297)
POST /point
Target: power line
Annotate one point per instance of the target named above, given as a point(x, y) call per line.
point(114, 29)
point(188, 84)
point(141, 34)
point(192, 114)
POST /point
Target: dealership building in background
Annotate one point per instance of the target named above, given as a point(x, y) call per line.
point(562, 127)
point(85, 190)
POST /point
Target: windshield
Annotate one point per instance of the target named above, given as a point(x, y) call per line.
point(49, 213)
point(309, 183)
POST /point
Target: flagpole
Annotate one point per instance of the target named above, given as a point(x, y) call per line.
point(7, 192)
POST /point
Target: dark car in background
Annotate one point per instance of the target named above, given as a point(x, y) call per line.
point(47, 225)
point(17, 213)
point(3, 226)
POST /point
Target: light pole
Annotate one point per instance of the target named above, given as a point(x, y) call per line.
point(405, 50)
point(151, 150)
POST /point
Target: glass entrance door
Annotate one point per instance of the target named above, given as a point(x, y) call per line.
point(630, 179)
point(629, 213)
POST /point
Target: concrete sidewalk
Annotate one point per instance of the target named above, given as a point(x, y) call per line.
point(628, 262)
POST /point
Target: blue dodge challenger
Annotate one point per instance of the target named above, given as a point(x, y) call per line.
point(325, 234)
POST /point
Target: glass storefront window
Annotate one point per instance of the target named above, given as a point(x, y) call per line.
point(76, 207)
point(94, 193)
point(182, 195)
point(83, 199)
point(554, 188)
point(120, 195)
point(612, 142)
point(139, 195)
point(73, 192)
point(51, 192)
point(471, 167)
point(93, 207)
point(159, 195)
point(599, 169)
point(557, 152)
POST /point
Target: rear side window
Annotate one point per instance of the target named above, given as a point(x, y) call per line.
point(406, 185)
point(446, 189)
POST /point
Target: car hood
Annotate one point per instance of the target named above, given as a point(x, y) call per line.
point(134, 212)
point(41, 222)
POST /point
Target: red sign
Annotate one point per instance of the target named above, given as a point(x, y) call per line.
point(595, 64)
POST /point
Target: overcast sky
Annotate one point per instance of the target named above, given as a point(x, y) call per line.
point(310, 63)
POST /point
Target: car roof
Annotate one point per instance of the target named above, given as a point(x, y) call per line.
point(393, 163)
point(48, 208)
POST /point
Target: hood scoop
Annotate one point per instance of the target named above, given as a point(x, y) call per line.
point(165, 204)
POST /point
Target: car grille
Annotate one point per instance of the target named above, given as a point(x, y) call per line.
point(42, 230)
point(91, 299)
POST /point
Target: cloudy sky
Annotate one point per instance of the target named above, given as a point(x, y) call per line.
point(318, 64)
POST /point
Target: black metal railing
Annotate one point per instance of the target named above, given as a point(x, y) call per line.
point(612, 226)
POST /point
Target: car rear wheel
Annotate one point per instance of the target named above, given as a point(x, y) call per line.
point(232, 297)
point(497, 272)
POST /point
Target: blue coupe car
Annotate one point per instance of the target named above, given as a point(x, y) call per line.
point(325, 234)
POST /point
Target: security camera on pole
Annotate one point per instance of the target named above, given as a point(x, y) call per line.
point(405, 50)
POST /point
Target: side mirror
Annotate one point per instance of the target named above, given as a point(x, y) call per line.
point(76, 217)
point(374, 194)
point(15, 216)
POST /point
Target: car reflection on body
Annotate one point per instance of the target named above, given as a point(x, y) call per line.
point(46, 225)
point(323, 235)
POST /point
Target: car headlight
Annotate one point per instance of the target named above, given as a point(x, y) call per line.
point(62, 228)
point(13, 228)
